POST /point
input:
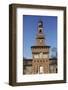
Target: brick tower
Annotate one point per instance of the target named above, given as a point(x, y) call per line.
point(40, 53)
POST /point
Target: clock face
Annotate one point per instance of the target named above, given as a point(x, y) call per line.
point(40, 40)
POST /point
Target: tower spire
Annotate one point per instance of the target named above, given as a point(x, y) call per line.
point(40, 35)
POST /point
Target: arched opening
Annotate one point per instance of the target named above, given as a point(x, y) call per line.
point(41, 71)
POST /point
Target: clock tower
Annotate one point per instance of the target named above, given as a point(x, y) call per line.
point(40, 52)
point(40, 36)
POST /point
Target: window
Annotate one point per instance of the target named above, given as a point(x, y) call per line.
point(36, 56)
point(45, 55)
point(41, 55)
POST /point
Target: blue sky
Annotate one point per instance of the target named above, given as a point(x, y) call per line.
point(30, 31)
